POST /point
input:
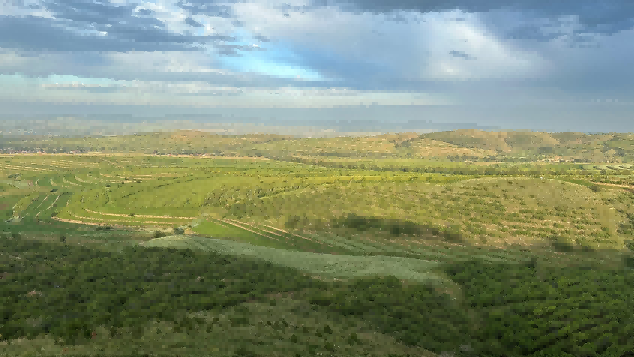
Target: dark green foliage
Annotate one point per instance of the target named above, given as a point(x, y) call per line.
point(595, 188)
point(179, 230)
point(16, 235)
point(327, 329)
point(159, 234)
point(245, 352)
point(560, 244)
point(353, 339)
point(548, 311)
point(138, 285)
point(398, 310)
point(627, 228)
point(532, 263)
point(103, 228)
point(628, 261)
point(62, 238)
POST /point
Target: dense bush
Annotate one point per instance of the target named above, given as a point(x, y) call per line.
point(560, 244)
point(406, 312)
point(136, 286)
point(159, 234)
point(538, 311)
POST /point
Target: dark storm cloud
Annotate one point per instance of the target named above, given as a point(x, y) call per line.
point(461, 54)
point(145, 12)
point(262, 38)
point(88, 89)
point(193, 23)
point(33, 33)
point(99, 13)
point(208, 8)
point(42, 34)
point(603, 17)
point(232, 50)
point(122, 31)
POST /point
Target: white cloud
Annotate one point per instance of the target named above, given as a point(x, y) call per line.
point(472, 60)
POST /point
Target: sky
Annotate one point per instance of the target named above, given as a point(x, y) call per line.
point(519, 64)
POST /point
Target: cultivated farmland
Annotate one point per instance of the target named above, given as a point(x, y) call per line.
point(464, 242)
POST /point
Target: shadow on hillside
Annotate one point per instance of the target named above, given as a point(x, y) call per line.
point(389, 226)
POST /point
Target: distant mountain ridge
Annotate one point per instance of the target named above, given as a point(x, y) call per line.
point(458, 145)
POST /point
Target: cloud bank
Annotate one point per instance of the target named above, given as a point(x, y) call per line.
point(317, 53)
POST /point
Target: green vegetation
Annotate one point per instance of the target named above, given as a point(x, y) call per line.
point(464, 243)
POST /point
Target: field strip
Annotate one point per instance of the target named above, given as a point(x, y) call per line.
point(293, 234)
point(13, 167)
point(95, 179)
point(614, 185)
point(75, 221)
point(80, 180)
point(38, 206)
point(68, 182)
point(251, 225)
point(99, 222)
point(341, 266)
point(279, 235)
point(136, 215)
point(51, 206)
point(247, 229)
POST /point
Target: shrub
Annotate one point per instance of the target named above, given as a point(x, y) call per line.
point(560, 244)
point(353, 339)
point(292, 222)
point(62, 238)
point(179, 230)
point(159, 234)
point(16, 235)
point(595, 188)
